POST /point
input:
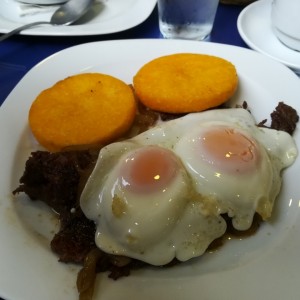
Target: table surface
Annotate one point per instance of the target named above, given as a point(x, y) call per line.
point(20, 53)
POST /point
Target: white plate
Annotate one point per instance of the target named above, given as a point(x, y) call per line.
point(265, 266)
point(254, 26)
point(106, 16)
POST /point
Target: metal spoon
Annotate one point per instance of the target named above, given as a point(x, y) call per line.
point(66, 14)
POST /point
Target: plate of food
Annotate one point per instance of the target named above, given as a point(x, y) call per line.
point(105, 16)
point(205, 233)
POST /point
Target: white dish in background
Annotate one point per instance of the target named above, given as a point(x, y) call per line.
point(106, 16)
point(286, 22)
point(42, 2)
point(254, 26)
point(264, 266)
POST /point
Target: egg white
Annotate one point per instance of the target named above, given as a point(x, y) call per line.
point(184, 221)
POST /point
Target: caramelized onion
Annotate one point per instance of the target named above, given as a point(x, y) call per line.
point(87, 275)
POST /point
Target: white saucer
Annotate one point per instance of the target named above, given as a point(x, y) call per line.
point(254, 26)
point(42, 2)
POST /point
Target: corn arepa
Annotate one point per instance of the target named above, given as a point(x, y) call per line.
point(82, 111)
point(185, 82)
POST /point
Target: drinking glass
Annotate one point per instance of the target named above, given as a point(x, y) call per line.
point(187, 19)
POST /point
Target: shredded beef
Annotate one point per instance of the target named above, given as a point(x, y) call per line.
point(75, 239)
point(284, 118)
point(56, 178)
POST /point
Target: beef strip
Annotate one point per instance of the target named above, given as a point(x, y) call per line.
point(55, 178)
point(284, 118)
point(75, 239)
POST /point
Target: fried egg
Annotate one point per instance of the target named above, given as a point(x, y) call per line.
point(161, 195)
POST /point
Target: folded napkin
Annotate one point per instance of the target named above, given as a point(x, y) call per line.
point(33, 9)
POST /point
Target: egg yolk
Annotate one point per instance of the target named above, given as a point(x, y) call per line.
point(230, 150)
point(149, 169)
